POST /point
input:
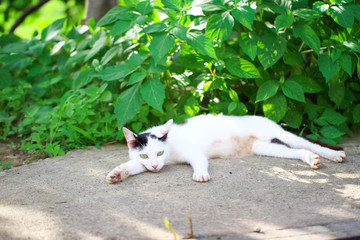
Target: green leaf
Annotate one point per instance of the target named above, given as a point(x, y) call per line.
point(100, 43)
point(120, 27)
point(241, 68)
point(353, 44)
point(192, 106)
point(6, 79)
point(17, 47)
point(306, 13)
point(237, 108)
point(244, 15)
point(179, 32)
point(356, 114)
point(308, 85)
point(332, 117)
point(267, 90)
point(331, 132)
point(172, 4)
point(111, 16)
point(82, 132)
point(52, 30)
point(115, 72)
point(144, 7)
point(336, 91)
point(16, 61)
point(153, 92)
point(106, 96)
point(160, 46)
point(248, 44)
point(270, 49)
point(292, 57)
point(201, 44)
point(320, 7)
point(275, 108)
point(211, 5)
point(233, 95)
point(346, 63)
point(276, 6)
point(219, 26)
point(308, 35)
point(128, 105)
point(136, 77)
point(155, 28)
point(283, 21)
point(83, 78)
point(293, 90)
point(342, 15)
point(110, 54)
point(326, 66)
point(293, 118)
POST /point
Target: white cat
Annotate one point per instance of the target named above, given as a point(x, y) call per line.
point(215, 136)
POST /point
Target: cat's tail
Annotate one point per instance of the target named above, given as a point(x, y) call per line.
point(322, 144)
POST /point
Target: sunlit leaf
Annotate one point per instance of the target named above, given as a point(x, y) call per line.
point(219, 26)
point(244, 15)
point(241, 68)
point(267, 90)
point(161, 45)
point(153, 92)
point(128, 105)
point(270, 49)
point(275, 107)
point(308, 35)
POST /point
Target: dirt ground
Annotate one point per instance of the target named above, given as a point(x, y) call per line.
point(253, 197)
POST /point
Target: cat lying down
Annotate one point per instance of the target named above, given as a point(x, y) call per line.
point(215, 136)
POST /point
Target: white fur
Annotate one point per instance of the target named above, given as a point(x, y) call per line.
point(211, 136)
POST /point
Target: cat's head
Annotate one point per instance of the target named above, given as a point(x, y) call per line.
point(150, 148)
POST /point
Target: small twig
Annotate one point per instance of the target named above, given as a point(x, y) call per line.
point(191, 233)
point(26, 13)
point(311, 50)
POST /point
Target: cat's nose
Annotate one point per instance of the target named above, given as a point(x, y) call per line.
point(155, 166)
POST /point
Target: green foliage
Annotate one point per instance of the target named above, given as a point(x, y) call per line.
point(11, 11)
point(143, 63)
point(4, 166)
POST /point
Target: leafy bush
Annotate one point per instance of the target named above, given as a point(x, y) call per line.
point(294, 62)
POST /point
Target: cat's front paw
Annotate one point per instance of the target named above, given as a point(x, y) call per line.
point(201, 177)
point(338, 156)
point(117, 174)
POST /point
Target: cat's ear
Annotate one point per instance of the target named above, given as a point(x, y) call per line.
point(164, 129)
point(130, 137)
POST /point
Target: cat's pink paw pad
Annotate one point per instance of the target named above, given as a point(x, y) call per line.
point(116, 175)
point(201, 177)
point(316, 163)
point(339, 157)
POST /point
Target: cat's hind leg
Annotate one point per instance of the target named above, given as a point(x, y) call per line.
point(278, 150)
point(294, 141)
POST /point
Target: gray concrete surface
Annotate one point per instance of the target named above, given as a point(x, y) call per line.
point(67, 198)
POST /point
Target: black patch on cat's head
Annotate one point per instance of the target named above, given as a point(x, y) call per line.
point(143, 138)
point(163, 138)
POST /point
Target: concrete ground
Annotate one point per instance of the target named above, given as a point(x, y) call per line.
point(248, 198)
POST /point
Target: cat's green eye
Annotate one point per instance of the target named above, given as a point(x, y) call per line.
point(160, 153)
point(144, 156)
